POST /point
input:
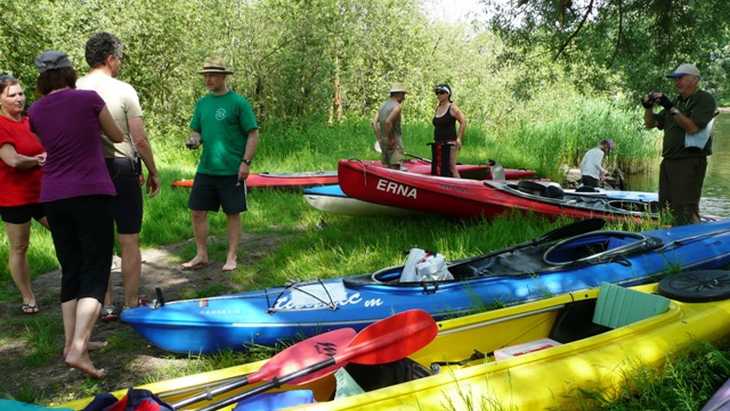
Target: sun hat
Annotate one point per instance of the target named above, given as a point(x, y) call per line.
point(683, 69)
point(398, 88)
point(215, 65)
point(51, 60)
point(442, 87)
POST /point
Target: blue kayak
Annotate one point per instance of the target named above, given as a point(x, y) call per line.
point(570, 258)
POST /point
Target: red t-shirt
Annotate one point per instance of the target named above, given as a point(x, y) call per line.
point(19, 187)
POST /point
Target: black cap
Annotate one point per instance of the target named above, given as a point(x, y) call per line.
point(51, 60)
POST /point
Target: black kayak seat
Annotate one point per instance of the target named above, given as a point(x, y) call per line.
point(531, 187)
point(586, 189)
point(542, 190)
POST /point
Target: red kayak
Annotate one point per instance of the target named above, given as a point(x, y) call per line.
point(280, 180)
point(318, 178)
point(469, 198)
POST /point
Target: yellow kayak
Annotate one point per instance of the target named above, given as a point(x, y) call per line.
point(528, 357)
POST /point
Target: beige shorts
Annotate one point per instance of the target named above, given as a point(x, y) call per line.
point(392, 154)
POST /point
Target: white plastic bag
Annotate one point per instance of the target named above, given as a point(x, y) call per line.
point(699, 139)
point(433, 268)
point(423, 266)
point(409, 268)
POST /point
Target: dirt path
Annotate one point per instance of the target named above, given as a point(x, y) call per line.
point(127, 358)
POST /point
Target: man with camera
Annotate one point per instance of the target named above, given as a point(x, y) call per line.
point(683, 165)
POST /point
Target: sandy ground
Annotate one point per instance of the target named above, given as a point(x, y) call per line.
point(125, 366)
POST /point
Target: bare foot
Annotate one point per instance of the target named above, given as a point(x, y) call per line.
point(230, 266)
point(195, 264)
point(83, 363)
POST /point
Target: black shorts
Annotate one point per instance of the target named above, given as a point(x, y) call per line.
point(83, 234)
point(209, 193)
point(22, 214)
point(589, 181)
point(127, 206)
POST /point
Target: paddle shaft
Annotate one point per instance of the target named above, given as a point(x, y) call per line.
point(387, 340)
point(274, 383)
point(209, 394)
point(303, 352)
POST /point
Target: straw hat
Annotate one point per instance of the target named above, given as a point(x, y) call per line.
point(215, 65)
point(398, 88)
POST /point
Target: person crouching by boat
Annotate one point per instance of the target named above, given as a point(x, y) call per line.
point(591, 168)
point(387, 127)
point(77, 192)
point(22, 156)
point(444, 123)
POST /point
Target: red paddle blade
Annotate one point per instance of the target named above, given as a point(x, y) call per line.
point(391, 339)
point(305, 353)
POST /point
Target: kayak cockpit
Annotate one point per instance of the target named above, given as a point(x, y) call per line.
point(554, 194)
point(588, 248)
point(598, 246)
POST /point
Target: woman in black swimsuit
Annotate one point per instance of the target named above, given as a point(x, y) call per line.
point(444, 122)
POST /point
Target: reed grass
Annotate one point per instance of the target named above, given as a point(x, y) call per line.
point(576, 125)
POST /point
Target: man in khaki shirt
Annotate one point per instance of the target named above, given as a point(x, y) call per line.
point(104, 56)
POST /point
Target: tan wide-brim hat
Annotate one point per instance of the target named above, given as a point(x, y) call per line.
point(215, 65)
point(398, 88)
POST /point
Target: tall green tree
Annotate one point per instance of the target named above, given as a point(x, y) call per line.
point(638, 39)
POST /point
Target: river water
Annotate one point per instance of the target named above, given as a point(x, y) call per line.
point(716, 190)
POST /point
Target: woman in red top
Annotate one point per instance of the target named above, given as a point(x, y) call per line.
point(21, 158)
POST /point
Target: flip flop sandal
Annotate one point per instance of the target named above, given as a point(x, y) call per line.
point(29, 308)
point(109, 313)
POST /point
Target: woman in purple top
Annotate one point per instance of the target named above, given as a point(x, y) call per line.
point(76, 190)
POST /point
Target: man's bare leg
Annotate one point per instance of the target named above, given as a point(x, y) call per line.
point(200, 230)
point(131, 267)
point(234, 234)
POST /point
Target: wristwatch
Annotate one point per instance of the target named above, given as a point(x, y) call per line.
point(674, 111)
point(247, 162)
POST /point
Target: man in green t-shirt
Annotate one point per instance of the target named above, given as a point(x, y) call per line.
point(683, 166)
point(224, 123)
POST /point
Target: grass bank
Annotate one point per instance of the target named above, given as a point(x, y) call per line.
point(542, 143)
